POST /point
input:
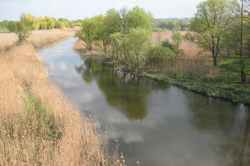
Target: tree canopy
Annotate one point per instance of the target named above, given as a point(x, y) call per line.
point(209, 23)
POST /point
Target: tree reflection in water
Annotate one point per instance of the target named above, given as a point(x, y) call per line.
point(125, 92)
point(234, 146)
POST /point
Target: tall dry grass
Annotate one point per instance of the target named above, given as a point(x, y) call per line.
point(24, 137)
point(193, 62)
point(38, 37)
point(180, 67)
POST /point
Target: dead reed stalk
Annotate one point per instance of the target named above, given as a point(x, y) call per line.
point(38, 123)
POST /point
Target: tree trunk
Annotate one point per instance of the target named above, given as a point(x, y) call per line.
point(242, 73)
point(215, 61)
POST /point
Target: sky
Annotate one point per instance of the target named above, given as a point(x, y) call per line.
point(79, 9)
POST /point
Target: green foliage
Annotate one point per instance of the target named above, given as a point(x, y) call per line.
point(138, 18)
point(177, 39)
point(160, 54)
point(58, 25)
point(168, 44)
point(21, 28)
point(50, 22)
point(112, 22)
point(87, 33)
point(35, 110)
point(134, 49)
point(4, 23)
point(209, 23)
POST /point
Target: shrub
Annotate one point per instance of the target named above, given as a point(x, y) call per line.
point(160, 54)
point(168, 44)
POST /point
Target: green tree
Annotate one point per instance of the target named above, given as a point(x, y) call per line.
point(135, 47)
point(138, 18)
point(87, 33)
point(21, 28)
point(237, 38)
point(171, 25)
point(209, 24)
point(177, 39)
point(4, 23)
point(112, 22)
point(50, 22)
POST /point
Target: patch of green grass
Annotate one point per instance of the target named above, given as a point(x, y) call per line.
point(4, 30)
point(233, 92)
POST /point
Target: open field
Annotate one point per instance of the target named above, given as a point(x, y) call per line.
point(38, 37)
point(190, 50)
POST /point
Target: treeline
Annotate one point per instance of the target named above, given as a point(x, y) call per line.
point(172, 25)
point(43, 23)
point(125, 36)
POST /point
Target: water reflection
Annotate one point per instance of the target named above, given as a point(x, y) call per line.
point(155, 122)
point(127, 93)
point(235, 148)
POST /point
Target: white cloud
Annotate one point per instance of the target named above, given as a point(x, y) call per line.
point(62, 66)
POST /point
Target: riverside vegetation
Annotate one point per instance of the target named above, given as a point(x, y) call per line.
point(39, 125)
point(211, 58)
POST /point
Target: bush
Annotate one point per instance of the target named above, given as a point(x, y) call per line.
point(160, 54)
point(168, 44)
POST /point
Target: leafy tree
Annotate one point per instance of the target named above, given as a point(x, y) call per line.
point(102, 39)
point(209, 23)
point(4, 23)
point(31, 21)
point(138, 18)
point(50, 22)
point(21, 28)
point(112, 22)
point(177, 39)
point(58, 25)
point(87, 33)
point(171, 25)
point(237, 38)
point(136, 46)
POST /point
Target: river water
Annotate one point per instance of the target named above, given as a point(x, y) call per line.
point(156, 123)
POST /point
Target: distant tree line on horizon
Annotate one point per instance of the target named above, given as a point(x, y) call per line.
point(170, 25)
point(43, 23)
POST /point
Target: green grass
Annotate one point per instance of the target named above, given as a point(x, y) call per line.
point(226, 85)
point(4, 30)
point(234, 66)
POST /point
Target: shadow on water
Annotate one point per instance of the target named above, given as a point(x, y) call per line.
point(235, 149)
point(227, 122)
point(126, 92)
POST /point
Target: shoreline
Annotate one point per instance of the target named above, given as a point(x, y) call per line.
point(235, 92)
point(40, 124)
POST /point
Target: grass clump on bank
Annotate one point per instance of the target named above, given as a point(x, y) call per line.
point(39, 125)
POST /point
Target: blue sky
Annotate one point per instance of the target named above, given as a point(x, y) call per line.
point(79, 9)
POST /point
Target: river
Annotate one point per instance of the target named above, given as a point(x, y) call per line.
point(155, 122)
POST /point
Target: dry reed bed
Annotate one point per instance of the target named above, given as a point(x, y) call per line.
point(23, 140)
point(38, 37)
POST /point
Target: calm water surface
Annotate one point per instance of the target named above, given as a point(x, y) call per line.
point(156, 123)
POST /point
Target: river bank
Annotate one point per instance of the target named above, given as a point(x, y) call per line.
point(39, 124)
point(222, 83)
